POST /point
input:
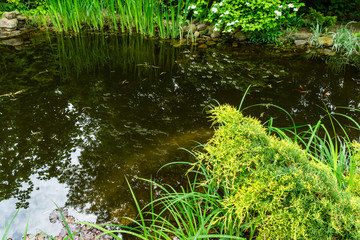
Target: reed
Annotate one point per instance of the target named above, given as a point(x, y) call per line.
point(139, 16)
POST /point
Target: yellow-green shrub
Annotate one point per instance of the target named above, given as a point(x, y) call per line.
point(271, 184)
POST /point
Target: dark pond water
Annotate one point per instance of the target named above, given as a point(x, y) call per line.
point(78, 114)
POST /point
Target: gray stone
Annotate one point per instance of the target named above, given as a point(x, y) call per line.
point(303, 35)
point(201, 27)
point(215, 34)
point(30, 237)
point(56, 216)
point(196, 34)
point(8, 23)
point(204, 32)
point(13, 42)
point(21, 17)
point(5, 35)
point(190, 28)
point(240, 36)
point(41, 236)
point(202, 46)
point(210, 30)
point(186, 29)
point(300, 43)
point(326, 41)
point(9, 15)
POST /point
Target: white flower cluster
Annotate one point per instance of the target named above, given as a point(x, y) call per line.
point(232, 23)
point(278, 14)
point(290, 5)
point(192, 7)
point(218, 4)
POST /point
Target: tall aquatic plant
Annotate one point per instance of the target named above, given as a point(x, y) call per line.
point(140, 16)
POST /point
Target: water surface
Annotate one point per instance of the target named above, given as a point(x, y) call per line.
point(80, 114)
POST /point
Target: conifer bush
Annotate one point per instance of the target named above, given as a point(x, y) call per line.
point(271, 187)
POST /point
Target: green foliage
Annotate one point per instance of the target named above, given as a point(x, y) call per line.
point(346, 41)
point(253, 16)
point(342, 8)
point(271, 186)
point(140, 16)
point(330, 145)
point(199, 9)
point(184, 214)
point(318, 18)
point(22, 6)
point(317, 30)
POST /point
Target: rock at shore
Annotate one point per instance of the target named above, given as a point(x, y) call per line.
point(240, 36)
point(303, 35)
point(8, 23)
point(300, 43)
point(326, 41)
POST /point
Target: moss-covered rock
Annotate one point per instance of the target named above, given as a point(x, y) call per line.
point(272, 185)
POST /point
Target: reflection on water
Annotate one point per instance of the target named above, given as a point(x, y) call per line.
point(94, 109)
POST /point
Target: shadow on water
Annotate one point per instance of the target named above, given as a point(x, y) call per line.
point(80, 113)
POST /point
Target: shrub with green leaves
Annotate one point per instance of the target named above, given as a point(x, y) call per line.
point(271, 186)
point(253, 15)
point(318, 18)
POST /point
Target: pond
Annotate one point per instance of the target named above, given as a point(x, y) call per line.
point(81, 114)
